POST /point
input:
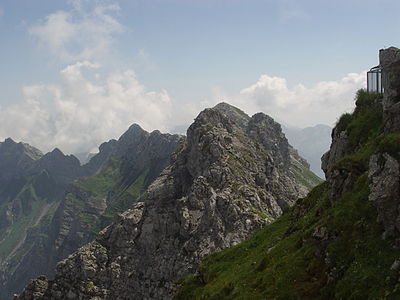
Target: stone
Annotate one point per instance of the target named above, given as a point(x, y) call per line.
point(230, 177)
point(390, 63)
point(384, 184)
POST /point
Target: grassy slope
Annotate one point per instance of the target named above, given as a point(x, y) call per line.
point(100, 187)
point(319, 249)
point(35, 207)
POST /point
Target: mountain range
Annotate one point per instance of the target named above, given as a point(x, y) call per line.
point(231, 211)
point(58, 205)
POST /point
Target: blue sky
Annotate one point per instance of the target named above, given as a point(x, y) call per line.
point(167, 59)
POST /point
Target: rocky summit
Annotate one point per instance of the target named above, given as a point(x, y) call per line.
point(231, 176)
point(342, 241)
point(60, 205)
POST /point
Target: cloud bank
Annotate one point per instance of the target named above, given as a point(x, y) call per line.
point(301, 106)
point(87, 106)
point(83, 110)
point(80, 113)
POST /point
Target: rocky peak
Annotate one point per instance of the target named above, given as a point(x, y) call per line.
point(98, 161)
point(62, 168)
point(233, 113)
point(269, 133)
point(15, 159)
point(10, 148)
point(221, 185)
point(132, 137)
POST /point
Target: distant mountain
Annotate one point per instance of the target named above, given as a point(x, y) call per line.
point(56, 205)
point(84, 157)
point(311, 142)
point(31, 187)
point(232, 175)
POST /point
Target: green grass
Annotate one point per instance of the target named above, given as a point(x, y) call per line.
point(19, 227)
point(102, 182)
point(289, 260)
point(285, 261)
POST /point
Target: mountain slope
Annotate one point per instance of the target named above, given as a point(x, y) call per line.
point(31, 195)
point(123, 169)
point(342, 240)
point(231, 176)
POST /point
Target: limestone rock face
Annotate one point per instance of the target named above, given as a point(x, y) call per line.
point(390, 63)
point(336, 151)
point(341, 181)
point(230, 177)
point(119, 174)
point(384, 178)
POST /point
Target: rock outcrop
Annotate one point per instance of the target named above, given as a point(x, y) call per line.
point(383, 165)
point(384, 177)
point(76, 210)
point(389, 60)
point(231, 176)
point(384, 169)
point(329, 245)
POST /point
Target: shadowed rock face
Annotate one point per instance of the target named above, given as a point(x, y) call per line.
point(230, 177)
point(74, 210)
point(390, 63)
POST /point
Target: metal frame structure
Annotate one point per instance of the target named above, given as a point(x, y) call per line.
point(374, 80)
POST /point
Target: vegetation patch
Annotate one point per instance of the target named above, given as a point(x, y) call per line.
point(318, 249)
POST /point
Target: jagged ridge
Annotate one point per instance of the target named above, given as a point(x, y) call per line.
point(65, 216)
point(330, 245)
point(230, 177)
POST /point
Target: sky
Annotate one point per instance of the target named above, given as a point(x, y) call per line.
point(74, 74)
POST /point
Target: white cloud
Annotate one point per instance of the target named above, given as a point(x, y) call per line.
point(86, 107)
point(82, 111)
point(300, 105)
point(79, 114)
point(84, 33)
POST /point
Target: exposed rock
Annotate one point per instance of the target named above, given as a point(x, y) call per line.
point(123, 168)
point(341, 180)
point(337, 151)
point(35, 289)
point(384, 178)
point(390, 63)
point(225, 181)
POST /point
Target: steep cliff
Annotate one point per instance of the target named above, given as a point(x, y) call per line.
point(31, 189)
point(123, 169)
point(232, 175)
point(342, 240)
